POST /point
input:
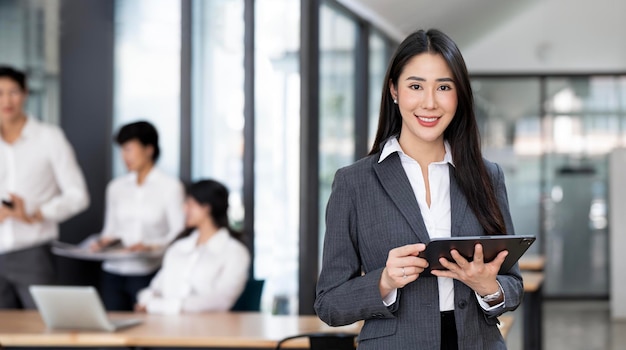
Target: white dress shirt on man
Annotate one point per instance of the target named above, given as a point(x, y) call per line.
point(150, 213)
point(40, 166)
point(199, 278)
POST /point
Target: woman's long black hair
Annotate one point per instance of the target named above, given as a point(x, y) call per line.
point(215, 195)
point(462, 133)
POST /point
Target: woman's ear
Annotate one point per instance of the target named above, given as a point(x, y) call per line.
point(207, 209)
point(393, 91)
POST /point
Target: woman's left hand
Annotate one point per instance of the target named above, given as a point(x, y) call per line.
point(477, 274)
point(139, 247)
point(140, 308)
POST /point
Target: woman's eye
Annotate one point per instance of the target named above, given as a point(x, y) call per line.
point(445, 88)
point(415, 86)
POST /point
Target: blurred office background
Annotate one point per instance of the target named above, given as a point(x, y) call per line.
point(273, 96)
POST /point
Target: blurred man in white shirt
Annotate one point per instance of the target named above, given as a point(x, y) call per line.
point(41, 185)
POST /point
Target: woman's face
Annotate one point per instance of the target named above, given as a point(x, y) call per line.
point(195, 213)
point(12, 100)
point(427, 99)
point(136, 156)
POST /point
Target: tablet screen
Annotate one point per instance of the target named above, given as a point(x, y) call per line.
point(492, 245)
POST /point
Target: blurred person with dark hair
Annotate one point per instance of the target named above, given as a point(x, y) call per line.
point(41, 185)
point(144, 212)
point(206, 267)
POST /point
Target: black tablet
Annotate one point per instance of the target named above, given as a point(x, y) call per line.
point(492, 245)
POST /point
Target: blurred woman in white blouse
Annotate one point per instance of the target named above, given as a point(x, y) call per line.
point(207, 267)
point(144, 212)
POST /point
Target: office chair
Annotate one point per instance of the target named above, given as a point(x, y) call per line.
point(325, 341)
point(250, 298)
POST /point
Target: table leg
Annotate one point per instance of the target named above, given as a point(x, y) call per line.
point(533, 305)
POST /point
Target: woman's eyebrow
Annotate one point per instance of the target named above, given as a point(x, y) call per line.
point(446, 79)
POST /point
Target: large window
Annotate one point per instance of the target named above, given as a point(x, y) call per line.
point(147, 73)
point(337, 57)
point(147, 86)
point(277, 152)
point(377, 66)
point(29, 42)
point(218, 97)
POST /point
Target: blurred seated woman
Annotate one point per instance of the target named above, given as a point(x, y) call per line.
point(206, 268)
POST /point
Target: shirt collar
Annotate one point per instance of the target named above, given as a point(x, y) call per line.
point(214, 244)
point(392, 145)
point(28, 130)
point(149, 178)
point(29, 127)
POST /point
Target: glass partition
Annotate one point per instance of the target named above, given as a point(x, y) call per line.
point(583, 118)
point(556, 166)
point(508, 115)
point(277, 156)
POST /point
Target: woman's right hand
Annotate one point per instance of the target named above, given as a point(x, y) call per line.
point(101, 243)
point(403, 267)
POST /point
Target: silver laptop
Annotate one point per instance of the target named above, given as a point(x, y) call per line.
point(75, 307)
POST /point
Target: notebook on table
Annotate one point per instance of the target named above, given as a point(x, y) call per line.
point(75, 307)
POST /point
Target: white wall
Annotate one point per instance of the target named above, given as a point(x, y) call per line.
point(617, 232)
point(555, 36)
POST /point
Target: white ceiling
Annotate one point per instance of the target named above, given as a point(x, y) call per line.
point(463, 20)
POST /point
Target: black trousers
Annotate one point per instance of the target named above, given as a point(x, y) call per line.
point(449, 339)
point(119, 293)
point(21, 269)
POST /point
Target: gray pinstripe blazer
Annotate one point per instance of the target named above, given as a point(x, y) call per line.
point(371, 210)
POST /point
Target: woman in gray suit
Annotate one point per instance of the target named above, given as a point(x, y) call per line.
point(425, 177)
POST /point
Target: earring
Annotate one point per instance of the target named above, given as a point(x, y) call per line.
point(395, 101)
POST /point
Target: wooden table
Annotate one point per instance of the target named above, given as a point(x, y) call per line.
point(211, 330)
point(532, 267)
point(533, 306)
point(506, 322)
point(532, 262)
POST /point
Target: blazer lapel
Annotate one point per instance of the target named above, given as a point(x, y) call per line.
point(458, 204)
point(395, 182)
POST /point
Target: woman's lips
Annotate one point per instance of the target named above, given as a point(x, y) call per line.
point(428, 121)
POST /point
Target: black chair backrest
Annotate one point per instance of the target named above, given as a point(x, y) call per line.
point(250, 298)
point(325, 341)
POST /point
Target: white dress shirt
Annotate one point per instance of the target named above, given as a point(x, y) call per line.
point(437, 217)
point(40, 166)
point(199, 278)
point(150, 213)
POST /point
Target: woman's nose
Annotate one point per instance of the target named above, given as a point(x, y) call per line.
point(429, 101)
